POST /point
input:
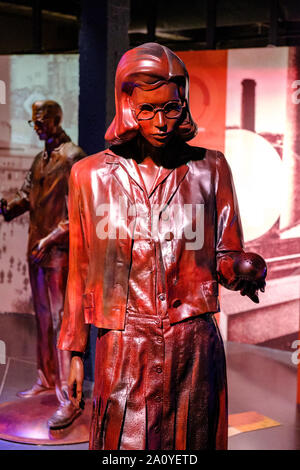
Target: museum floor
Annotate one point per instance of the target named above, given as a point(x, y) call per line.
point(260, 379)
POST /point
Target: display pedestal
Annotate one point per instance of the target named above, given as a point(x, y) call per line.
point(25, 421)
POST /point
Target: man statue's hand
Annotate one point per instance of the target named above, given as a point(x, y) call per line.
point(39, 251)
point(75, 382)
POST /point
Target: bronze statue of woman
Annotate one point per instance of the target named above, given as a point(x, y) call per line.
point(154, 228)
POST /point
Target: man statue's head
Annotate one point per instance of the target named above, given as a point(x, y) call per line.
point(46, 118)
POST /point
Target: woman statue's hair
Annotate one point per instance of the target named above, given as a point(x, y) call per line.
point(148, 66)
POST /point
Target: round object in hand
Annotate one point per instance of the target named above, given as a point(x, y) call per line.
point(250, 266)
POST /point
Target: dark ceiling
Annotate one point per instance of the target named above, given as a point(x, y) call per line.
point(186, 24)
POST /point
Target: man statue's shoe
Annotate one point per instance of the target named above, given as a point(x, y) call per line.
point(36, 389)
point(64, 416)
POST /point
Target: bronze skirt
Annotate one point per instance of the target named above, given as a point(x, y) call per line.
point(160, 386)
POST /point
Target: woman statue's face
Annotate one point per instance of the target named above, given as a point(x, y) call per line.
point(158, 112)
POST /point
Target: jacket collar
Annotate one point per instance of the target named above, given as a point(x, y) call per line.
point(130, 166)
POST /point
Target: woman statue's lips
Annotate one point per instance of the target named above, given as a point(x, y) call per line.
point(162, 134)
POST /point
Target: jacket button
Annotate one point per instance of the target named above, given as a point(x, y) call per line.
point(158, 369)
point(162, 296)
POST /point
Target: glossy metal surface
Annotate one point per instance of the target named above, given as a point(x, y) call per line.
point(161, 395)
point(151, 220)
point(25, 421)
point(97, 292)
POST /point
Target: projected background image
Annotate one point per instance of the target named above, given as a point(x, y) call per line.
point(246, 103)
point(25, 79)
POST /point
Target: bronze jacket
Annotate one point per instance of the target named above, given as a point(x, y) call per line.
point(45, 195)
point(199, 192)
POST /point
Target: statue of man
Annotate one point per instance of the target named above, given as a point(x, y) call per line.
point(44, 194)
